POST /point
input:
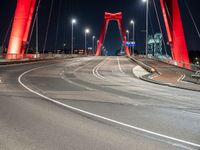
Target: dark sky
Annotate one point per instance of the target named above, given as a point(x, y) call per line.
point(89, 13)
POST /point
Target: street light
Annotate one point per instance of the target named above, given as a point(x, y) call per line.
point(133, 23)
point(73, 21)
point(87, 31)
point(93, 46)
point(127, 31)
point(147, 25)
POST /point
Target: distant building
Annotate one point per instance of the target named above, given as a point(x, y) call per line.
point(155, 44)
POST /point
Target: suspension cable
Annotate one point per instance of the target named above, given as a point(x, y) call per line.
point(7, 32)
point(190, 13)
point(155, 8)
point(48, 25)
point(58, 21)
point(151, 25)
point(174, 33)
point(36, 15)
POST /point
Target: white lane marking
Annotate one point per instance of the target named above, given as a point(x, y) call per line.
point(181, 78)
point(99, 116)
point(96, 68)
point(119, 65)
point(95, 74)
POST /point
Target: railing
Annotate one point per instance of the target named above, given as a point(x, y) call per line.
point(4, 58)
point(32, 56)
point(196, 76)
point(189, 66)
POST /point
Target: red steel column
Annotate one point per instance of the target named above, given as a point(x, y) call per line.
point(102, 36)
point(123, 36)
point(18, 29)
point(175, 32)
point(28, 26)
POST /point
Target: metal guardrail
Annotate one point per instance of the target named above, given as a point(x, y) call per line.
point(16, 59)
point(189, 66)
point(196, 76)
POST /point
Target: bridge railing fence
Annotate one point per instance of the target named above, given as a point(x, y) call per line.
point(189, 66)
point(17, 57)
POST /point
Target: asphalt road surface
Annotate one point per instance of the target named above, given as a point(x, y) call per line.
point(93, 103)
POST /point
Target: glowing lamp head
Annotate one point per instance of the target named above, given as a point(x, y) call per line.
point(87, 31)
point(73, 21)
point(132, 22)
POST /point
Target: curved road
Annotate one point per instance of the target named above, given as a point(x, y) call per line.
point(93, 104)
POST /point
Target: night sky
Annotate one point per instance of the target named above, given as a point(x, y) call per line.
point(89, 13)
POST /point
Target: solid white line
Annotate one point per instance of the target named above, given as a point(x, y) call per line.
point(94, 73)
point(99, 116)
point(96, 68)
point(120, 68)
point(181, 78)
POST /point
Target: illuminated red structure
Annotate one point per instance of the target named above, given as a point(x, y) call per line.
point(170, 10)
point(107, 18)
point(174, 28)
point(20, 29)
point(175, 32)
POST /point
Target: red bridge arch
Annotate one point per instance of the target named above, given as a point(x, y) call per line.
point(107, 18)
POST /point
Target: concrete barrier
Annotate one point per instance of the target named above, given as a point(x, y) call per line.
point(143, 65)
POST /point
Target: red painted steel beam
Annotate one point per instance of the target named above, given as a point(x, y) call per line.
point(18, 29)
point(28, 26)
point(107, 18)
point(175, 32)
point(102, 37)
point(123, 36)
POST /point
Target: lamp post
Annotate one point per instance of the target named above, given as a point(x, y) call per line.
point(97, 44)
point(37, 44)
point(127, 32)
point(73, 21)
point(87, 31)
point(147, 25)
point(93, 46)
point(133, 23)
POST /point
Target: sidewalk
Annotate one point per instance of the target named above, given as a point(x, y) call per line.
point(170, 75)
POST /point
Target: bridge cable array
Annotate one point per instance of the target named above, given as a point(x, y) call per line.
point(159, 23)
point(174, 33)
point(190, 13)
point(48, 25)
point(57, 26)
point(34, 21)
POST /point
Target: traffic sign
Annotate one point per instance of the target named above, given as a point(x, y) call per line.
point(130, 44)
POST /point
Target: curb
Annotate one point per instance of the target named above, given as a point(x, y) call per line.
point(143, 65)
point(165, 84)
point(152, 71)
